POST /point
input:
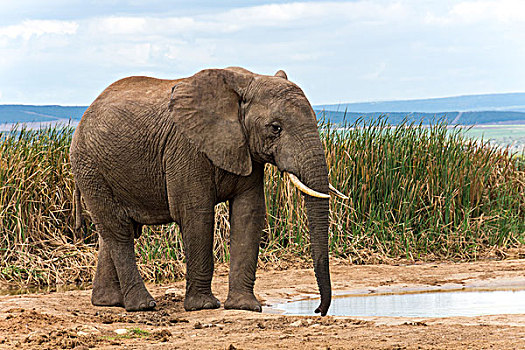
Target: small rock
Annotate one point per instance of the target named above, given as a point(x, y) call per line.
point(175, 292)
point(296, 324)
point(82, 333)
point(199, 325)
point(15, 310)
point(121, 331)
point(88, 329)
point(162, 335)
point(33, 336)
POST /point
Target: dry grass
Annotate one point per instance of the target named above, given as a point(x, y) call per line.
point(416, 192)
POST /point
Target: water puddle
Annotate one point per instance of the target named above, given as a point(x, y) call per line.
point(418, 304)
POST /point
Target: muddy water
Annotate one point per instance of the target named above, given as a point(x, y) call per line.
point(418, 304)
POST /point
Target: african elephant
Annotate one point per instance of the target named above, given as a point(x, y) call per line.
point(152, 151)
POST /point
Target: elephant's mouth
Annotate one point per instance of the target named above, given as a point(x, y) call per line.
point(307, 190)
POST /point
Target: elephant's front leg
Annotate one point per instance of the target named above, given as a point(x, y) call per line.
point(197, 231)
point(247, 212)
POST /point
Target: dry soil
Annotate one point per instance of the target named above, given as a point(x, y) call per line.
point(68, 320)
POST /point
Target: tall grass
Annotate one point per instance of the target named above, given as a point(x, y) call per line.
point(35, 209)
point(416, 192)
point(423, 191)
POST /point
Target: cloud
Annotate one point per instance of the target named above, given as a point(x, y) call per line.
point(120, 25)
point(246, 18)
point(336, 50)
point(377, 72)
point(472, 12)
point(271, 33)
point(30, 28)
point(312, 12)
point(501, 10)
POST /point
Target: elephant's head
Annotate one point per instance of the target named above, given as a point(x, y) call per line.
point(237, 117)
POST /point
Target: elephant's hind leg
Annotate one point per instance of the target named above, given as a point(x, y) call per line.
point(117, 254)
point(118, 250)
point(134, 293)
point(106, 286)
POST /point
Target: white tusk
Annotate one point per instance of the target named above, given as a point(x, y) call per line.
point(305, 189)
point(335, 192)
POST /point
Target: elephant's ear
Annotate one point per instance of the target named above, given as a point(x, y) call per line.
point(207, 110)
point(281, 74)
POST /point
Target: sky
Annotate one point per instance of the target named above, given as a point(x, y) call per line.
point(67, 51)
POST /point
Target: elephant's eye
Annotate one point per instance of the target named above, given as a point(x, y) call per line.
point(276, 128)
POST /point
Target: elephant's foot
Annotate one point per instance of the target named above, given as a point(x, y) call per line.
point(138, 299)
point(109, 296)
point(240, 301)
point(201, 301)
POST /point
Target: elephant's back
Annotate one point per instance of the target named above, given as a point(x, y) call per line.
point(132, 103)
point(135, 91)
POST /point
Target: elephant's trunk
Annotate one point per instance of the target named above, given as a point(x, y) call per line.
point(317, 210)
point(315, 173)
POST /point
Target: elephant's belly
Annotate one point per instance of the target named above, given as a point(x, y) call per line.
point(151, 214)
point(152, 218)
point(145, 200)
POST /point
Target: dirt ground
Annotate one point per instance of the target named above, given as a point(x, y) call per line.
point(68, 320)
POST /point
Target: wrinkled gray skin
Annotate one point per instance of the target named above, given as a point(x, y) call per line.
point(150, 151)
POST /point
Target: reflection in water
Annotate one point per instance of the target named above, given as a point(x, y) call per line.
point(427, 304)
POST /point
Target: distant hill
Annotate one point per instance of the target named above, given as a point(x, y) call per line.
point(30, 113)
point(467, 110)
point(469, 103)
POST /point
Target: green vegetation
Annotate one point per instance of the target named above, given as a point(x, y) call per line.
point(423, 192)
point(508, 135)
point(130, 333)
point(416, 192)
point(137, 332)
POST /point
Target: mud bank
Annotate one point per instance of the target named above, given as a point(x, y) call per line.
point(68, 320)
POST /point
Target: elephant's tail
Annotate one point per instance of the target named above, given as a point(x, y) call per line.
point(78, 210)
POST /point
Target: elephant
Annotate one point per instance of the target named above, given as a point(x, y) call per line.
point(154, 151)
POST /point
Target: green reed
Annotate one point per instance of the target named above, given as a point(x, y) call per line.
point(415, 192)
